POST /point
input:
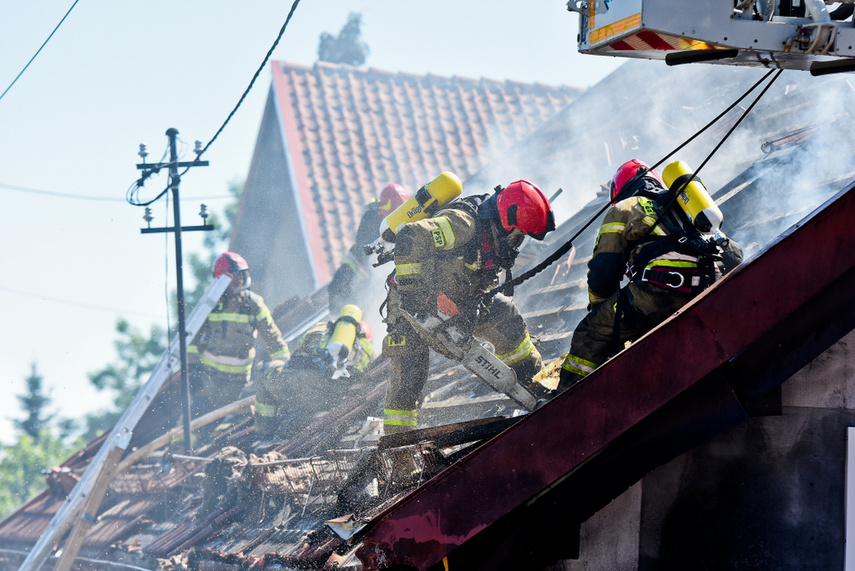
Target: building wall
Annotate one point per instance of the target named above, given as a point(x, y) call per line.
point(609, 539)
point(275, 251)
point(767, 494)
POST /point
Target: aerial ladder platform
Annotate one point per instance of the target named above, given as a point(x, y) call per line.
point(779, 34)
point(719, 360)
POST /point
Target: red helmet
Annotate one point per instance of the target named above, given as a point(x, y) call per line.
point(234, 266)
point(392, 196)
point(523, 206)
point(628, 171)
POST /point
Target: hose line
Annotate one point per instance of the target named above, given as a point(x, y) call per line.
point(509, 285)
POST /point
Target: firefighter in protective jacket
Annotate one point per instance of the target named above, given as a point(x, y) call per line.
point(456, 255)
point(222, 353)
point(666, 260)
point(325, 367)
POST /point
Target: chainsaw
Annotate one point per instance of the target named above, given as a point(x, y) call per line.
point(444, 336)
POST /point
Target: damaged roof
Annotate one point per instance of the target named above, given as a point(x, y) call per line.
point(316, 499)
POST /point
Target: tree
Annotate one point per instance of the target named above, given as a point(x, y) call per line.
point(138, 355)
point(22, 465)
point(34, 403)
point(347, 46)
point(38, 448)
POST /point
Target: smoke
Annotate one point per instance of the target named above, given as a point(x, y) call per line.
point(784, 158)
point(804, 125)
point(646, 110)
point(373, 297)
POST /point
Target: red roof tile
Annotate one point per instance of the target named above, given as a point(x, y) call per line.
point(350, 131)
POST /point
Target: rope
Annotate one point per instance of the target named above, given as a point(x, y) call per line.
point(560, 252)
point(675, 193)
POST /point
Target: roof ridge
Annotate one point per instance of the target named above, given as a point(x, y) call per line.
point(351, 69)
point(351, 129)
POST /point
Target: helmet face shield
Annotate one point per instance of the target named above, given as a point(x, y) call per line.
point(240, 281)
point(550, 226)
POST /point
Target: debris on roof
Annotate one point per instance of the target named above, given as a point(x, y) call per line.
point(337, 494)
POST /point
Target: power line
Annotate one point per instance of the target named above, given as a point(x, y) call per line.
point(98, 198)
point(76, 303)
point(254, 77)
point(40, 49)
point(132, 196)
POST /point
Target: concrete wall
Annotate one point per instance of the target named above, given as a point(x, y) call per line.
point(609, 539)
point(767, 494)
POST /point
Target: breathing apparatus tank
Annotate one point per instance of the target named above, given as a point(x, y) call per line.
point(344, 334)
point(429, 198)
point(694, 200)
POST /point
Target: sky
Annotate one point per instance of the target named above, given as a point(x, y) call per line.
point(118, 74)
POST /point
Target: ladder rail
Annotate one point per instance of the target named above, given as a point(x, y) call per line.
point(120, 434)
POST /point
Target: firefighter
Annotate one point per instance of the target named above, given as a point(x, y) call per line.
point(666, 260)
point(222, 353)
point(456, 255)
point(351, 277)
point(326, 365)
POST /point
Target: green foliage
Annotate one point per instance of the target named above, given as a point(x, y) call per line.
point(138, 355)
point(215, 243)
point(37, 449)
point(34, 402)
point(346, 47)
point(22, 464)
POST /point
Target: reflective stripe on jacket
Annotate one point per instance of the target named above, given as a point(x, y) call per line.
point(443, 254)
point(626, 228)
point(226, 341)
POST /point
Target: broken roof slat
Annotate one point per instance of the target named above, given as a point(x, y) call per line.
point(534, 454)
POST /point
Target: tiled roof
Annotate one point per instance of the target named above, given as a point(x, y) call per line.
point(756, 205)
point(350, 131)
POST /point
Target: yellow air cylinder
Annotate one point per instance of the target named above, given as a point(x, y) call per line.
point(344, 333)
point(694, 199)
point(438, 192)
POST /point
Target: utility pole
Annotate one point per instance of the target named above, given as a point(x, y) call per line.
point(174, 181)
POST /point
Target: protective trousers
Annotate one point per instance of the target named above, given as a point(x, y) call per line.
point(212, 389)
point(502, 325)
point(599, 336)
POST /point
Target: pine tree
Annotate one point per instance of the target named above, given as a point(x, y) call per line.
point(34, 402)
point(37, 449)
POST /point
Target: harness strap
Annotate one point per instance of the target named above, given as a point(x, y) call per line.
point(487, 259)
point(683, 280)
